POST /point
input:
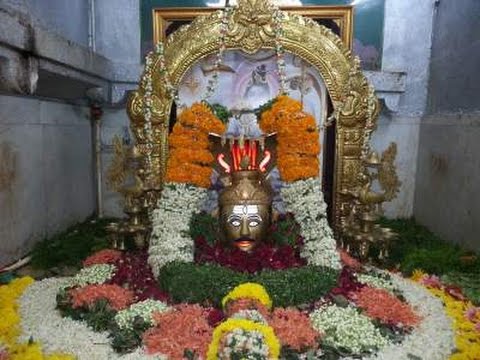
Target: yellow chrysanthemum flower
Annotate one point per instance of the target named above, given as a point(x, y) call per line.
point(249, 291)
point(417, 274)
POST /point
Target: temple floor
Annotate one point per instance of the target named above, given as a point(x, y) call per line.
point(367, 313)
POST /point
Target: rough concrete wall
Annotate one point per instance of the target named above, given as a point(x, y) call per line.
point(447, 197)
point(45, 171)
point(118, 30)
point(66, 18)
point(455, 75)
point(406, 48)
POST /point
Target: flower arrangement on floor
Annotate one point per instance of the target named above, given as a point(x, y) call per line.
point(249, 319)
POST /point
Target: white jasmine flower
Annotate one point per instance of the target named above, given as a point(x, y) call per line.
point(144, 309)
point(170, 240)
point(94, 274)
point(347, 328)
point(253, 315)
point(304, 198)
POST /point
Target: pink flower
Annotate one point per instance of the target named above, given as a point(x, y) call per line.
point(348, 260)
point(455, 292)
point(471, 313)
point(4, 355)
point(432, 281)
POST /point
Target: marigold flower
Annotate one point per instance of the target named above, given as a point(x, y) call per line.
point(190, 159)
point(297, 137)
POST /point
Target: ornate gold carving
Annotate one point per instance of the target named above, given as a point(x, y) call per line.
point(360, 226)
point(387, 174)
point(120, 166)
point(342, 15)
point(252, 25)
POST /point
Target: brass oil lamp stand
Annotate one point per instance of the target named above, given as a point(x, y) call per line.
point(361, 230)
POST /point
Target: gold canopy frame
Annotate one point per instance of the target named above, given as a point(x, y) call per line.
point(355, 106)
point(342, 16)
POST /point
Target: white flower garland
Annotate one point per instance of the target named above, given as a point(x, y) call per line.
point(143, 309)
point(347, 328)
point(304, 198)
point(170, 240)
point(42, 322)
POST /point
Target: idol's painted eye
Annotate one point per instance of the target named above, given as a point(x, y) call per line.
point(235, 222)
point(253, 223)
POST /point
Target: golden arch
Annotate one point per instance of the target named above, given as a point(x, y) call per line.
point(251, 28)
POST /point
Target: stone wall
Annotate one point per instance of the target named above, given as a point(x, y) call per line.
point(46, 178)
point(47, 181)
point(447, 196)
point(406, 51)
point(68, 18)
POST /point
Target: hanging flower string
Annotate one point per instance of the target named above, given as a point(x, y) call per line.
point(148, 102)
point(213, 81)
point(160, 53)
point(280, 51)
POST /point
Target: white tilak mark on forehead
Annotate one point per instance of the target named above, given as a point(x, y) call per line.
point(245, 209)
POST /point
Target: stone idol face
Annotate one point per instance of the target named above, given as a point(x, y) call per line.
point(245, 209)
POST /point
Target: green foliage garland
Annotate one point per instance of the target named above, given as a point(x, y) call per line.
point(208, 283)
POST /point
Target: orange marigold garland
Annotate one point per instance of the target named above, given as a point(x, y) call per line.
point(190, 160)
point(297, 136)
